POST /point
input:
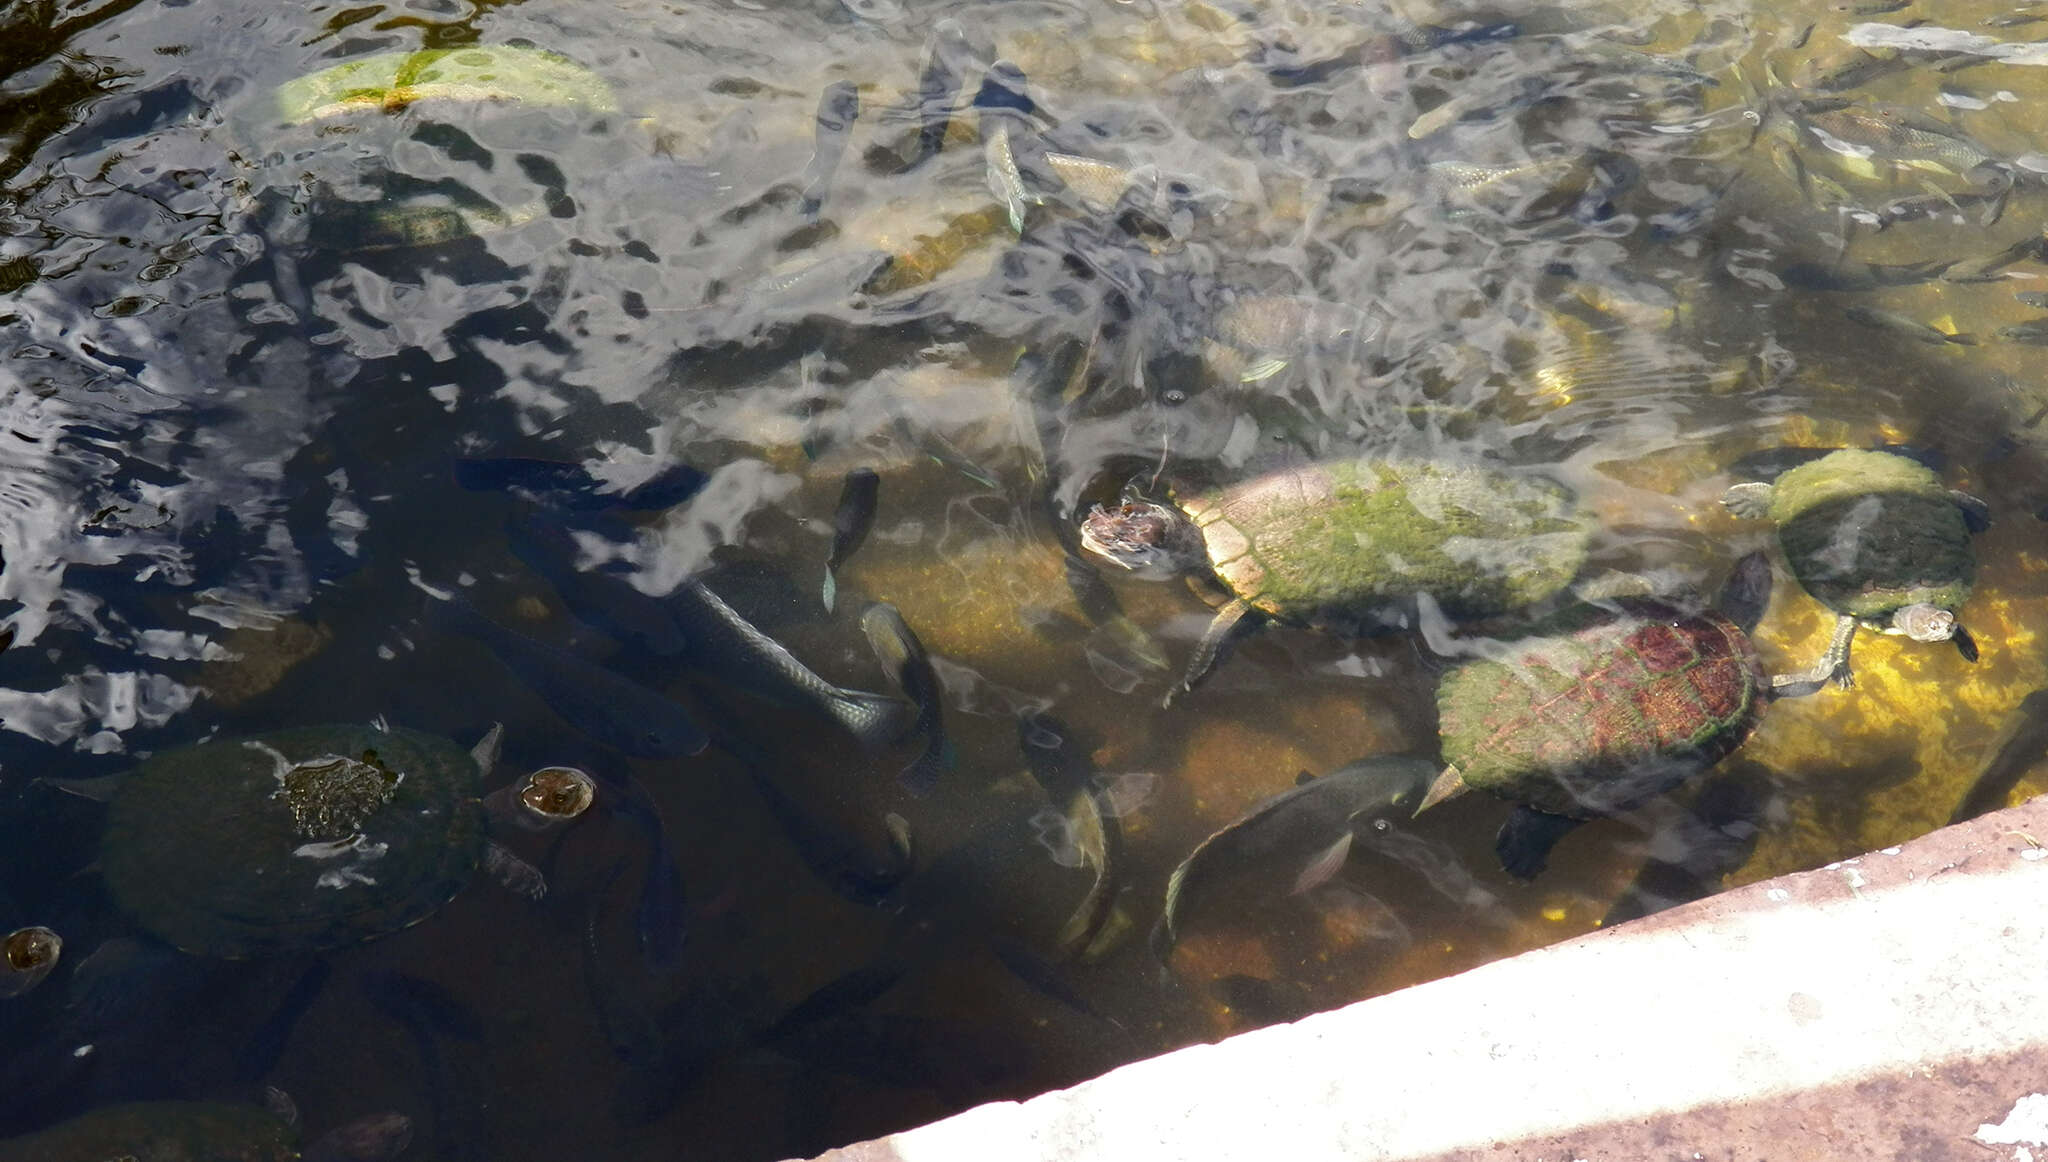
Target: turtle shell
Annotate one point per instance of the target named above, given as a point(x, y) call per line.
point(1355, 541)
point(161, 1131)
point(208, 849)
point(1868, 533)
point(1604, 717)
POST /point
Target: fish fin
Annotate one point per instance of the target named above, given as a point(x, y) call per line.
point(1961, 340)
point(1261, 370)
point(513, 872)
point(1976, 513)
point(1449, 785)
point(99, 789)
point(830, 590)
point(1322, 867)
point(1162, 941)
point(1304, 778)
point(1525, 840)
point(921, 777)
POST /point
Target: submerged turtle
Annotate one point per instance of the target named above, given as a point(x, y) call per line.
point(1351, 545)
point(310, 838)
point(178, 1131)
point(1877, 538)
point(1624, 703)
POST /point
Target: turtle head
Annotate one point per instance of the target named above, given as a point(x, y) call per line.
point(1925, 623)
point(1153, 541)
point(554, 795)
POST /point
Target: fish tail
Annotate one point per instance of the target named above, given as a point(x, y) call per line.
point(1162, 940)
point(921, 777)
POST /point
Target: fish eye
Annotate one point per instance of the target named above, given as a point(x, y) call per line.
point(1382, 825)
point(1173, 396)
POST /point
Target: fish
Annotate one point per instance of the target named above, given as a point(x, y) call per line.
point(851, 990)
point(2021, 744)
point(622, 714)
point(1294, 841)
point(1713, 837)
point(1519, 191)
point(453, 1086)
point(1005, 108)
point(1061, 765)
point(2034, 333)
point(838, 108)
point(1256, 336)
point(571, 485)
point(1989, 267)
point(1865, 139)
point(602, 600)
point(1861, 276)
point(1906, 328)
point(908, 666)
point(659, 920)
point(852, 519)
point(938, 87)
point(2033, 298)
point(727, 648)
point(1006, 181)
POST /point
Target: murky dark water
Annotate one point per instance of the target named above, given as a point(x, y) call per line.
point(262, 348)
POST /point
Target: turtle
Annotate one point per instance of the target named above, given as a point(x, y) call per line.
point(1618, 703)
point(1352, 545)
point(176, 1131)
point(304, 839)
point(1875, 536)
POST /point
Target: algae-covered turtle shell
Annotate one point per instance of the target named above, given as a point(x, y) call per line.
point(1605, 717)
point(1869, 533)
point(310, 838)
point(1340, 542)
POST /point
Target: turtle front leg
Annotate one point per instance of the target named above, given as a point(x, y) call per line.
point(1215, 642)
point(513, 872)
point(1832, 667)
point(1525, 839)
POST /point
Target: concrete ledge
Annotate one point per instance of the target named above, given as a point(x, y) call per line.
point(1889, 1006)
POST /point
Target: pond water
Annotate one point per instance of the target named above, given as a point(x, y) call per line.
point(293, 354)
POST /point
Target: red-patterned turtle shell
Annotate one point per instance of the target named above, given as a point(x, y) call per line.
point(1607, 716)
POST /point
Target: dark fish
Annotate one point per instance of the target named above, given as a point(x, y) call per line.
point(605, 601)
point(1688, 859)
point(838, 108)
point(1060, 762)
point(2034, 333)
point(726, 647)
point(907, 665)
point(851, 522)
point(2022, 743)
point(658, 919)
point(623, 715)
point(569, 485)
point(852, 990)
point(1904, 327)
point(1295, 840)
point(938, 87)
point(1861, 276)
point(429, 1013)
point(845, 865)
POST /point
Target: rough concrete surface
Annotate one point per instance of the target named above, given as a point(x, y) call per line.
point(1892, 1006)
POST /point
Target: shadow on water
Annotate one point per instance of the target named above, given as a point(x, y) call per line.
point(291, 356)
